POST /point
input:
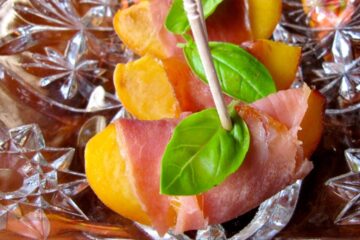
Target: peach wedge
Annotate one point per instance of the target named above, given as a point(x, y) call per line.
point(106, 172)
point(280, 59)
point(144, 89)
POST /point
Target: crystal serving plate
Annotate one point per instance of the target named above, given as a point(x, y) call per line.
point(56, 64)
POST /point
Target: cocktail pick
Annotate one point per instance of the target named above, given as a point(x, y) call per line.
point(202, 18)
point(197, 25)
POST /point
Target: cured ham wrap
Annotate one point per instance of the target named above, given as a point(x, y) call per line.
point(125, 162)
point(275, 159)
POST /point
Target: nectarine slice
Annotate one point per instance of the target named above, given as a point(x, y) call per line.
point(144, 89)
point(312, 123)
point(106, 173)
point(136, 28)
point(280, 59)
point(264, 15)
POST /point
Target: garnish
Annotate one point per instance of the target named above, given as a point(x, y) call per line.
point(177, 21)
point(240, 74)
point(201, 154)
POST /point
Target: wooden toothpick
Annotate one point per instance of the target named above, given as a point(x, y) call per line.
point(198, 28)
point(202, 18)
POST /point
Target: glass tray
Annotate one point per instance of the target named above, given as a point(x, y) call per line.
point(56, 63)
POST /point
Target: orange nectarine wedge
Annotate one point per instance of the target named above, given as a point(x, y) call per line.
point(144, 89)
point(137, 29)
point(312, 123)
point(264, 15)
point(106, 173)
point(280, 59)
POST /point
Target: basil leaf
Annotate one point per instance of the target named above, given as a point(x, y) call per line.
point(176, 20)
point(201, 154)
point(240, 74)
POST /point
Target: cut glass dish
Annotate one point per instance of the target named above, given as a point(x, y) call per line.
point(38, 192)
point(56, 64)
point(347, 187)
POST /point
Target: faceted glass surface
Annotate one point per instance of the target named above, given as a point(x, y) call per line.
point(56, 64)
point(38, 192)
point(347, 187)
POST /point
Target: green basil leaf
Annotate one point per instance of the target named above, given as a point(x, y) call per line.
point(176, 20)
point(240, 74)
point(201, 154)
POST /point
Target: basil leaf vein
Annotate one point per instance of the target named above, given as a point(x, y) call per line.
point(201, 154)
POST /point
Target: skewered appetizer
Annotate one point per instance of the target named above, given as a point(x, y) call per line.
point(175, 166)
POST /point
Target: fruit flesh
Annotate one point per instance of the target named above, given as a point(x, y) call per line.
point(135, 27)
point(312, 124)
point(280, 59)
point(144, 89)
point(106, 173)
point(264, 15)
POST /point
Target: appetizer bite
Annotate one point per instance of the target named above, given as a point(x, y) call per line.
point(174, 166)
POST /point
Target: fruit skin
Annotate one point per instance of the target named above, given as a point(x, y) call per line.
point(144, 89)
point(264, 15)
point(312, 125)
point(106, 173)
point(280, 59)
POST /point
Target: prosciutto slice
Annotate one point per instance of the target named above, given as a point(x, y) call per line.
point(190, 215)
point(273, 155)
point(276, 105)
point(193, 94)
point(272, 163)
point(268, 168)
point(159, 10)
point(280, 105)
point(143, 144)
point(233, 14)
